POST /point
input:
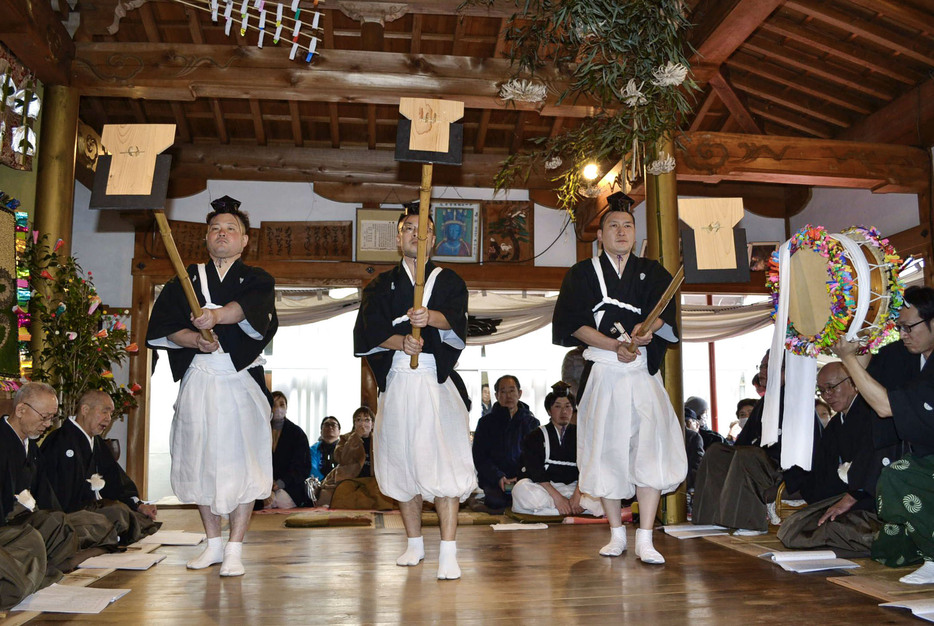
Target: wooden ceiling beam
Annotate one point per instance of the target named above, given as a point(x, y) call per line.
point(371, 126)
point(796, 81)
point(194, 26)
point(256, 114)
point(518, 133)
point(704, 109)
point(458, 47)
point(149, 23)
point(335, 126)
point(909, 120)
point(219, 121)
point(722, 27)
point(883, 65)
point(870, 31)
point(358, 193)
point(480, 144)
point(181, 123)
point(296, 119)
point(801, 103)
point(815, 67)
point(790, 119)
point(138, 112)
point(153, 71)
point(883, 168)
point(416, 45)
point(733, 102)
point(900, 11)
point(34, 33)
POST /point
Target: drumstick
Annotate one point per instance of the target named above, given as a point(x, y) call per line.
point(662, 303)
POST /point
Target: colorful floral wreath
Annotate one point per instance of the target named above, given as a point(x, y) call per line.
point(839, 287)
point(884, 329)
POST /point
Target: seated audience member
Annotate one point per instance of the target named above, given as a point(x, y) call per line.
point(354, 458)
point(700, 407)
point(486, 403)
point(26, 496)
point(85, 475)
point(899, 385)
point(824, 412)
point(291, 459)
point(759, 385)
point(322, 452)
point(840, 488)
point(497, 442)
point(23, 565)
point(548, 478)
point(693, 445)
point(743, 410)
point(736, 485)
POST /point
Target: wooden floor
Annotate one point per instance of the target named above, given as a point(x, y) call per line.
point(349, 576)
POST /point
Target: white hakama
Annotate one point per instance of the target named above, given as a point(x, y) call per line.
point(221, 443)
point(628, 435)
point(421, 442)
point(531, 498)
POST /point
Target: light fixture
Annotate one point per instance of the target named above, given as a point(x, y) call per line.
point(591, 171)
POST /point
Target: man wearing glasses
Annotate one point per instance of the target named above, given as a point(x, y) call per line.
point(840, 488)
point(898, 384)
point(26, 496)
point(421, 444)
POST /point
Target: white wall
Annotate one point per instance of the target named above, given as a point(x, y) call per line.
point(837, 209)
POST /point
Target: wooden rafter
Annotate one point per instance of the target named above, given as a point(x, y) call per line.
point(480, 144)
point(909, 119)
point(416, 44)
point(518, 133)
point(734, 104)
point(194, 25)
point(149, 23)
point(794, 80)
point(459, 47)
point(801, 103)
point(257, 115)
point(881, 64)
point(296, 119)
point(723, 29)
point(335, 125)
point(899, 11)
point(789, 119)
point(219, 121)
point(875, 33)
point(811, 65)
point(704, 109)
point(181, 123)
point(137, 107)
point(371, 126)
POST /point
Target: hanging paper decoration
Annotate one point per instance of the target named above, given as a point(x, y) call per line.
point(19, 108)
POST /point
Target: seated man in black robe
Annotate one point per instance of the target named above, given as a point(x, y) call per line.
point(26, 496)
point(840, 488)
point(497, 442)
point(291, 460)
point(85, 475)
point(548, 476)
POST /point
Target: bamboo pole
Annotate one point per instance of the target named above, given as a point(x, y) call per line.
point(421, 257)
point(180, 271)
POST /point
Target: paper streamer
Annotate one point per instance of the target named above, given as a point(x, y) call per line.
point(262, 28)
point(214, 10)
point(314, 22)
point(278, 23)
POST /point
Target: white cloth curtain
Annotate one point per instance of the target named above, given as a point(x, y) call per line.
point(515, 314)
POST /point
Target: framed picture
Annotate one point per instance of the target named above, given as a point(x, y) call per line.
point(507, 232)
point(376, 235)
point(759, 254)
point(457, 229)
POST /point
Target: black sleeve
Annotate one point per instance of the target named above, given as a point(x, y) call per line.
point(257, 299)
point(572, 309)
point(374, 319)
point(487, 471)
point(533, 457)
point(299, 465)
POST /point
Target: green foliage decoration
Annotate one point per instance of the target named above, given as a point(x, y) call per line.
point(82, 343)
point(625, 56)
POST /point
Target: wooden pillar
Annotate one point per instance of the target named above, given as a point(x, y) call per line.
point(661, 211)
point(55, 184)
point(55, 176)
point(140, 366)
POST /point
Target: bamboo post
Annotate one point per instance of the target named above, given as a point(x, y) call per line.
point(180, 271)
point(421, 258)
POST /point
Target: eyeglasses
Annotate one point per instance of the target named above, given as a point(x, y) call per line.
point(46, 417)
point(829, 389)
point(906, 328)
point(412, 229)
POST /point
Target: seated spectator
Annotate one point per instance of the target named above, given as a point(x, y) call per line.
point(353, 455)
point(694, 446)
point(322, 452)
point(743, 410)
point(485, 400)
point(840, 488)
point(291, 459)
point(85, 475)
point(700, 407)
point(548, 478)
point(497, 442)
point(26, 496)
point(824, 412)
point(736, 485)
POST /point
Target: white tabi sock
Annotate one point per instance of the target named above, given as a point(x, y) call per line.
point(414, 553)
point(212, 554)
point(921, 576)
point(448, 569)
point(645, 550)
point(617, 543)
point(233, 566)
